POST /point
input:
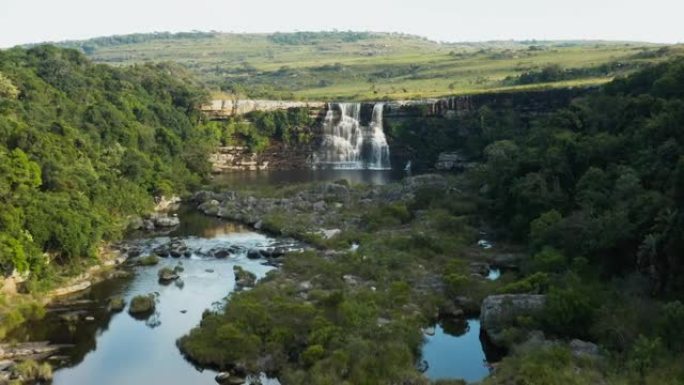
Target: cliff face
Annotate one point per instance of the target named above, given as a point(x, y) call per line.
point(277, 156)
point(421, 130)
point(223, 108)
point(416, 129)
point(528, 103)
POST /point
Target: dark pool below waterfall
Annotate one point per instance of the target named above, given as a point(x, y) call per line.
point(269, 178)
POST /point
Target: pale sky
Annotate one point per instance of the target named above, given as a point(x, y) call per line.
point(30, 21)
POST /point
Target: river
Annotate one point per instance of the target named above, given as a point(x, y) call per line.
point(115, 348)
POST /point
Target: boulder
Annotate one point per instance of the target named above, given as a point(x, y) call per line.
point(142, 305)
point(166, 275)
point(175, 248)
point(116, 304)
point(222, 378)
point(220, 252)
point(165, 204)
point(319, 206)
point(165, 221)
point(329, 233)
point(254, 254)
point(226, 378)
point(499, 312)
point(210, 207)
point(148, 260)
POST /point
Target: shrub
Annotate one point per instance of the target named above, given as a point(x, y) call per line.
point(312, 354)
point(31, 371)
point(569, 311)
point(549, 260)
point(537, 283)
point(670, 325)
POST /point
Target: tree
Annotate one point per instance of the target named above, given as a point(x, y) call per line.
point(7, 88)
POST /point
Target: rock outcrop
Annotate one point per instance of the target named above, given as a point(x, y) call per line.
point(224, 108)
point(452, 161)
point(499, 312)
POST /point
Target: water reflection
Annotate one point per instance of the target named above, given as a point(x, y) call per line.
point(116, 348)
point(270, 178)
point(455, 352)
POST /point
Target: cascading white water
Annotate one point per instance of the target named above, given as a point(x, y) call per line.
point(379, 156)
point(349, 145)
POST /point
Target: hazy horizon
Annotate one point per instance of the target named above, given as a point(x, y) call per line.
point(339, 30)
point(438, 20)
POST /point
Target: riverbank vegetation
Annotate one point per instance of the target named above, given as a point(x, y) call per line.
point(375, 66)
point(82, 147)
point(341, 314)
point(595, 190)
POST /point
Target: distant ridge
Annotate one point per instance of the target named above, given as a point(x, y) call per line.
point(365, 65)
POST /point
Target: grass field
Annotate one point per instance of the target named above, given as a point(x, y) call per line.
point(366, 66)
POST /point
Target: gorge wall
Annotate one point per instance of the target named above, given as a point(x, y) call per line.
point(376, 135)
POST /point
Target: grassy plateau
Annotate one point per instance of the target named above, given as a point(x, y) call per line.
point(367, 66)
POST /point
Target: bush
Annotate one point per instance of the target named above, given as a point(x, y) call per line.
point(569, 312)
point(387, 216)
point(670, 326)
point(549, 260)
point(537, 283)
point(30, 371)
point(313, 354)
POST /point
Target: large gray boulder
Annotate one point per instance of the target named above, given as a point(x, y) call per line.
point(499, 312)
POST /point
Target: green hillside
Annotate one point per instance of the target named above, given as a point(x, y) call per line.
point(362, 65)
point(85, 146)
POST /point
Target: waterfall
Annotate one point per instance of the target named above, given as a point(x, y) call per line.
point(347, 144)
point(379, 150)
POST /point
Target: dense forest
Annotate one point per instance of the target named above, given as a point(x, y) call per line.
point(597, 191)
point(83, 146)
point(601, 179)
